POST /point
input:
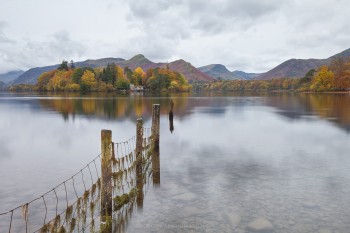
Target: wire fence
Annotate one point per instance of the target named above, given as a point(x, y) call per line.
point(74, 204)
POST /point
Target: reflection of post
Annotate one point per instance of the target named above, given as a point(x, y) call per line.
point(171, 116)
point(139, 175)
point(155, 144)
point(106, 181)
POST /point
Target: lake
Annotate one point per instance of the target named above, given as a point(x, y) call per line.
point(231, 163)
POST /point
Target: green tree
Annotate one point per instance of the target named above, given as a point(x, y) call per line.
point(76, 77)
point(72, 66)
point(63, 66)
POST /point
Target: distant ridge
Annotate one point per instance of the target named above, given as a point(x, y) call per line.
point(293, 68)
point(10, 76)
point(299, 67)
point(220, 71)
point(289, 68)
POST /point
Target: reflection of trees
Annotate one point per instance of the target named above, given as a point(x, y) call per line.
point(328, 106)
point(334, 107)
point(114, 107)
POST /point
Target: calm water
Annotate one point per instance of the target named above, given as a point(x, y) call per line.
point(230, 159)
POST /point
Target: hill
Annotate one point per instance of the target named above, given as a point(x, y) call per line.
point(299, 67)
point(139, 61)
point(344, 54)
point(217, 71)
point(220, 71)
point(293, 68)
point(190, 72)
point(10, 76)
point(243, 75)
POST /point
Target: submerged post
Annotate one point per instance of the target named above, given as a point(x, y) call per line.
point(155, 127)
point(106, 181)
point(155, 143)
point(139, 175)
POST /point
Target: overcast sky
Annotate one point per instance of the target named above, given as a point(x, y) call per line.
point(248, 35)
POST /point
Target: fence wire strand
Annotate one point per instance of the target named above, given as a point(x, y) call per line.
point(74, 215)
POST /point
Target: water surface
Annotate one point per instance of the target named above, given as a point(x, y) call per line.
point(229, 160)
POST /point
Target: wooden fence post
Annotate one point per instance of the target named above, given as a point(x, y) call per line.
point(139, 175)
point(155, 143)
point(106, 181)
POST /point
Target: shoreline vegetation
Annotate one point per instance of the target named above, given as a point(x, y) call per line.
point(112, 78)
point(333, 78)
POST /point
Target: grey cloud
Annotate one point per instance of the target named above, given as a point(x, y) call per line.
point(205, 17)
point(27, 53)
point(251, 35)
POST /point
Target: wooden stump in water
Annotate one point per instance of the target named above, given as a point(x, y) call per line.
point(155, 143)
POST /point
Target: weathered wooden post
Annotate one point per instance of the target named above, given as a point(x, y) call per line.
point(155, 143)
point(106, 181)
point(139, 175)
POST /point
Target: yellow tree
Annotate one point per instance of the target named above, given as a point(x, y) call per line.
point(323, 80)
point(54, 83)
point(139, 76)
point(88, 81)
point(119, 72)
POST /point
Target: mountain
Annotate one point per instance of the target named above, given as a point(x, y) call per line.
point(139, 61)
point(220, 71)
point(299, 67)
point(344, 54)
point(189, 71)
point(243, 75)
point(31, 75)
point(10, 76)
point(293, 68)
point(217, 71)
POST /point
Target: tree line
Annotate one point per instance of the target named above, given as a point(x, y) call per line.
point(110, 78)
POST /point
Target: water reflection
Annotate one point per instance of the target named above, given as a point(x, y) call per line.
point(278, 156)
point(332, 107)
point(171, 116)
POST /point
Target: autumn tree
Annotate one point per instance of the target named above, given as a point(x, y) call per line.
point(88, 81)
point(323, 79)
point(139, 76)
point(341, 69)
